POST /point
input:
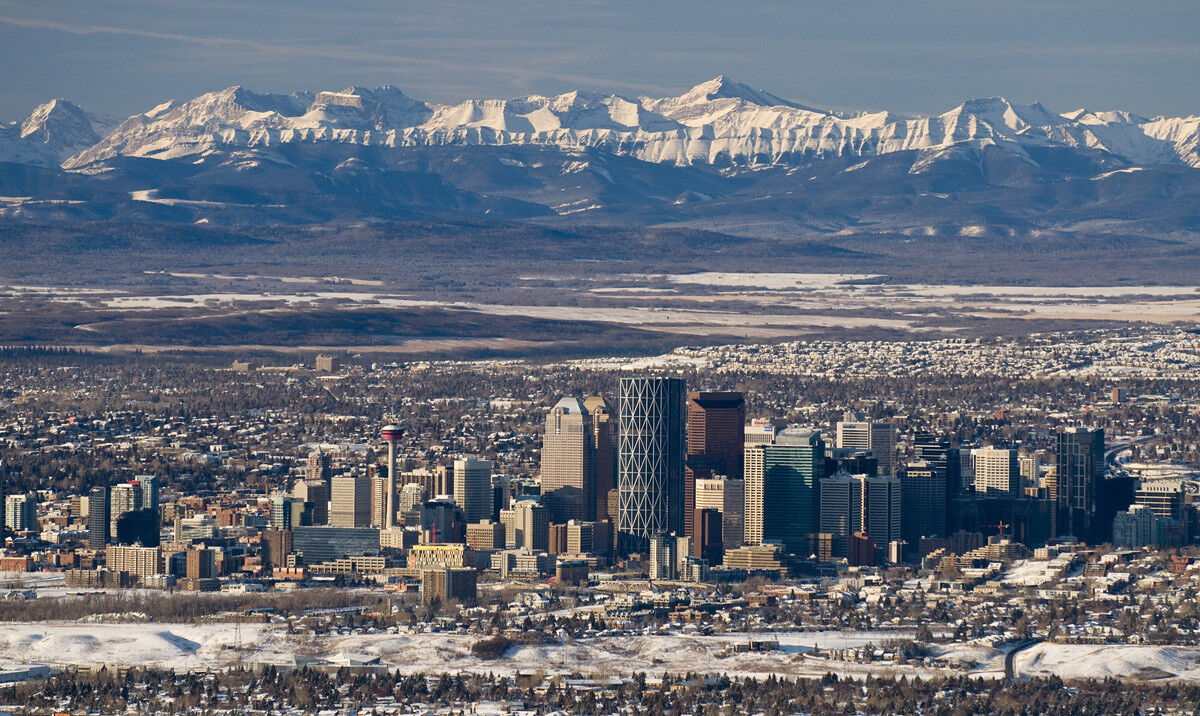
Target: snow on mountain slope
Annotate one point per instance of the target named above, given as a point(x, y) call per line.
point(51, 133)
point(719, 122)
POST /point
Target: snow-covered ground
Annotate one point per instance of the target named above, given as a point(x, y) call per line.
point(189, 646)
point(1099, 661)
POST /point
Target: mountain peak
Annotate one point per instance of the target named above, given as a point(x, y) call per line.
point(54, 115)
point(722, 87)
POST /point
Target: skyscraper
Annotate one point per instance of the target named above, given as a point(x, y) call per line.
point(650, 459)
point(20, 512)
point(881, 510)
point(947, 461)
point(1079, 460)
point(473, 488)
point(149, 485)
point(568, 462)
point(841, 510)
point(604, 441)
point(877, 436)
point(782, 482)
point(716, 434)
point(350, 501)
point(97, 521)
point(996, 471)
point(923, 485)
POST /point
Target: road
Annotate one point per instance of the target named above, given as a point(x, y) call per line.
point(1010, 659)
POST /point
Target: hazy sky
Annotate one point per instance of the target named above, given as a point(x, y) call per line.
point(121, 57)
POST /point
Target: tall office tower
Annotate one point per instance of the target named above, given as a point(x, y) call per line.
point(442, 521)
point(939, 453)
point(568, 462)
point(149, 485)
point(996, 471)
point(315, 494)
point(728, 496)
point(123, 498)
point(781, 488)
point(881, 506)
point(1031, 470)
point(877, 436)
point(390, 434)
point(604, 441)
point(379, 499)
point(708, 543)
point(318, 466)
point(20, 512)
point(286, 512)
point(752, 471)
point(716, 435)
point(651, 455)
point(443, 476)
point(841, 510)
point(97, 521)
point(923, 485)
point(350, 501)
point(1079, 460)
point(473, 488)
point(527, 526)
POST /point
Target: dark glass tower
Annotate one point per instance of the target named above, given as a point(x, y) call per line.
point(97, 520)
point(1080, 470)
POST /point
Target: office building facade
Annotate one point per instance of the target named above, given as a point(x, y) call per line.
point(650, 460)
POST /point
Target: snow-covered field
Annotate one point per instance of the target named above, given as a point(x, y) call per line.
point(188, 646)
point(1099, 661)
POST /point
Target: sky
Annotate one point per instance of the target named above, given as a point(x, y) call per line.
point(122, 57)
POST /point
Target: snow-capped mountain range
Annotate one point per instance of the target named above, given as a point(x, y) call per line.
point(720, 122)
point(722, 156)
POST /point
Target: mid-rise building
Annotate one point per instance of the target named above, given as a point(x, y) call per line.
point(727, 496)
point(453, 584)
point(138, 561)
point(286, 512)
point(325, 544)
point(486, 535)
